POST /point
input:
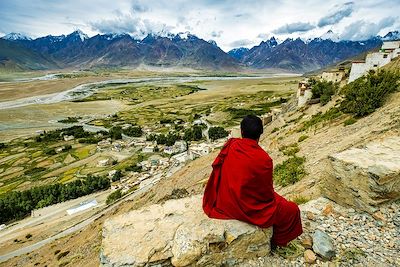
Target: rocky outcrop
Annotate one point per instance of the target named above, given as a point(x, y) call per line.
point(367, 176)
point(178, 233)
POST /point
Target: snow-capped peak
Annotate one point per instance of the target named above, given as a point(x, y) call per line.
point(13, 36)
point(330, 35)
point(81, 35)
point(214, 43)
point(391, 36)
point(183, 35)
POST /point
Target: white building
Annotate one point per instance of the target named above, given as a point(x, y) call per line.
point(334, 76)
point(82, 206)
point(148, 149)
point(68, 137)
point(373, 61)
point(303, 93)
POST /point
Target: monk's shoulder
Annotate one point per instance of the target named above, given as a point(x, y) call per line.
point(263, 156)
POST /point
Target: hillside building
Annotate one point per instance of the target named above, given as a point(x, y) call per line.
point(336, 76)
point(373, 61)
point(303, 93)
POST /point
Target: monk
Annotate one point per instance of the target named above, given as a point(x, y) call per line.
point(241, 187)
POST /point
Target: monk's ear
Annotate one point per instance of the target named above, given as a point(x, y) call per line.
point(241, 133)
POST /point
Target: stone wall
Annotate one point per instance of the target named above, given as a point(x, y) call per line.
point(178, 233)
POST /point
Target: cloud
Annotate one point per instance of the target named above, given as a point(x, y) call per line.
point(128, 23)
point(263, 36)
point(362, 30)
point(215, 34)
point(139, 8)
point(241, 42)
point(337, 15)
point(294, 27)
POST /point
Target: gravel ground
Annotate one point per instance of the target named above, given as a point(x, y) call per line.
point(360, 239)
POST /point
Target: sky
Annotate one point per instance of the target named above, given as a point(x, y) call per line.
point(230, 23)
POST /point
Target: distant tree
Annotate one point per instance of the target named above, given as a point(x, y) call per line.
point(133, 131)
point(193, 134)
point(114, 196)
point(116, 133)
point(323, 90)
point(117, 176)
point(217, 132)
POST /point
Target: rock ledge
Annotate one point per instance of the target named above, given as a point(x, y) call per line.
point(178, 233)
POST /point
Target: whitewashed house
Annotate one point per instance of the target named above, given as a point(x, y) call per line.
point(373, 61)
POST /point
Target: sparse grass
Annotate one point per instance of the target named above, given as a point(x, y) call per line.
point(290, 150)
point(353, 253)
point(62, 254)
point(275, 130)
point(302, 138)
point(328, 116)
point(293, 250)
point(349, 121)
point(299, 199)
point(290, 171)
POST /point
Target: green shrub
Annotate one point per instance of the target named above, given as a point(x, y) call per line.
point(289, 150)
point(62, 255)
point(217, 132)
point(28, 236)
point(134, 168)
point(114, 196)
point(349, 121)
point(193, 134)
point(302, 138)
point(364, 95)
point(117, 176)
point(275, 130)
point(323, 90)
point(70, 120)
point(116, 132)
point(134, 131)
point(329, 115)
point(300, 199)
point(290, 171)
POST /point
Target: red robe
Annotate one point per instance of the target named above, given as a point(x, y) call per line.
point(241, 187)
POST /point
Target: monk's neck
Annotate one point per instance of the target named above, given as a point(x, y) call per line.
point(250, 141)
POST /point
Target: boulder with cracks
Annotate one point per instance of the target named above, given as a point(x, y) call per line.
point(367, 176)
point(178, 233)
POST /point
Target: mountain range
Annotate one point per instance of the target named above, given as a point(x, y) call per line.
point(77, 50)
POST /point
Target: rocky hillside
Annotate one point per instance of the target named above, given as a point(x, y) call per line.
point(16, 57)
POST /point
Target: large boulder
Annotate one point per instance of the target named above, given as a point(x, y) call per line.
point(178, 233)
point(367, 176)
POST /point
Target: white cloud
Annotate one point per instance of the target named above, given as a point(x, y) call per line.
point(362, 30)
point(222, 20)
point(337, 15)
point(294, 27)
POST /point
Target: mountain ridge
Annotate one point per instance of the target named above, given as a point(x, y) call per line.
point(183, 50)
